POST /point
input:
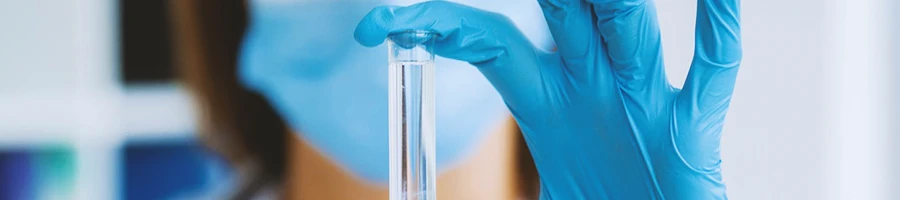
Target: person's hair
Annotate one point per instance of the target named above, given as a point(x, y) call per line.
point(235, 122)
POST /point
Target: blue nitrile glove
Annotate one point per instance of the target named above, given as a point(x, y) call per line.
point(599, 115)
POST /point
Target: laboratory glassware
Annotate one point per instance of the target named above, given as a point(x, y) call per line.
point(411, 115)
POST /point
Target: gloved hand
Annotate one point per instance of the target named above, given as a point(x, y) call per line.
point(599, 115)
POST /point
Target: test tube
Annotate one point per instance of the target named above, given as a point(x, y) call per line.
point(411, 115)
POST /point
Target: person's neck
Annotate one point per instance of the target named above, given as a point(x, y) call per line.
point(489, 174)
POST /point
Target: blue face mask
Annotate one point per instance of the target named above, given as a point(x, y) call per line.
point(333, 92)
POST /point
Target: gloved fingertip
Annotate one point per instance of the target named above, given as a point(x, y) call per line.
point(375, 26)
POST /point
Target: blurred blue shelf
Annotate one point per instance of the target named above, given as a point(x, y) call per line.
point(169, 170)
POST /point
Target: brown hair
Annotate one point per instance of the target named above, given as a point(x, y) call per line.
point(237, 123)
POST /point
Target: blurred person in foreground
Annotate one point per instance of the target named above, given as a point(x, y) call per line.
point(301, 108)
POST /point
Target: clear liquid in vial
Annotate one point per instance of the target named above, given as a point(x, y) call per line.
point(411, 129)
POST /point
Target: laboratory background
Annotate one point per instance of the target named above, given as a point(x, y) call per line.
point(92, 105)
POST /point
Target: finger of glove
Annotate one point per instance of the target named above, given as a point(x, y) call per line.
point(703, 102)
point(630, 31)
point(571, 24)
point(487, 40)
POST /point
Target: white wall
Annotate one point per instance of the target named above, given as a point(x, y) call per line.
point(896, 100)
point(36, 62)
point(773, 139)
point(807, 120)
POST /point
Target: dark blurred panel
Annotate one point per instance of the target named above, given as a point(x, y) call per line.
point(37, 172)
point(146, 47)
point(168, 170)
point(16, 175)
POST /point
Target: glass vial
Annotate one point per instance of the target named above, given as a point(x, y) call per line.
point(411, 115)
